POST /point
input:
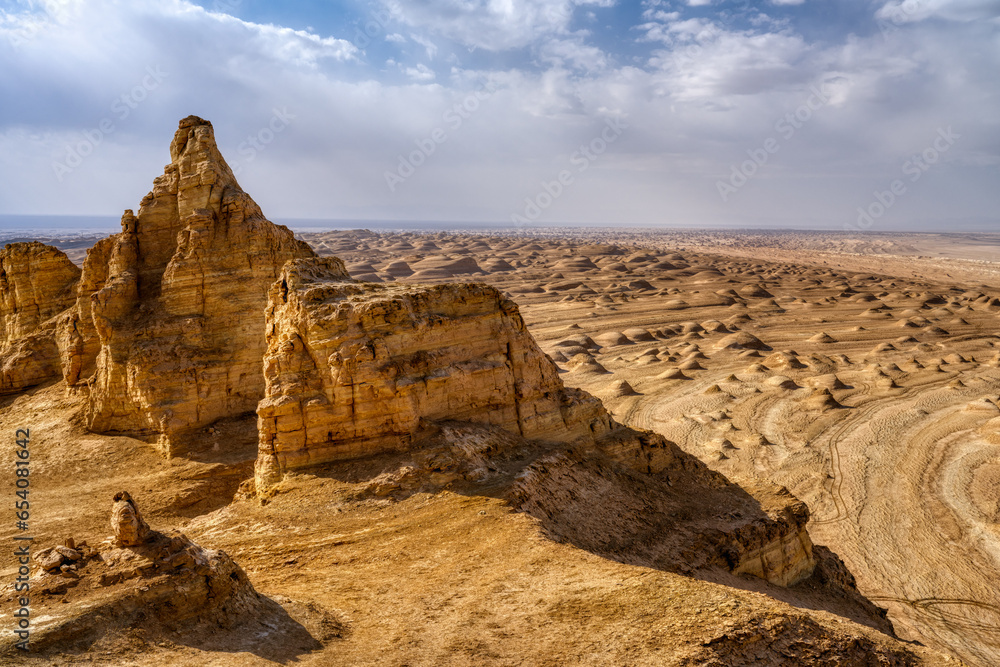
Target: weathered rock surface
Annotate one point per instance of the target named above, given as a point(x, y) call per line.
point(127, 523)
point(147, 583)
point(175, 301)
point(79, 343)
point(354, 369)
point(36, 284)
point(650, 509)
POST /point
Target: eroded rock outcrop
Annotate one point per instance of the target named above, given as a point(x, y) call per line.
point(147, 584)
point(127, 523)
point(79, 343)
point(169, 311)
point(353, 369)
point(450, 375)
point(36, 284)
point(640, 499)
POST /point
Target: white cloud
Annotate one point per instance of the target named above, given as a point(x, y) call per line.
point(420, 73)
point(908, 11)
point(575, 53)
point(429, 47)
point(494, 25)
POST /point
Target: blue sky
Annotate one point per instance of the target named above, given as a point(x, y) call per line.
point(856, 114)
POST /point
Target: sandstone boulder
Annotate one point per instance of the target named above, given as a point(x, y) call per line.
point(126, 522)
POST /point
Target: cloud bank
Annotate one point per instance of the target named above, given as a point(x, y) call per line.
point(733, 113)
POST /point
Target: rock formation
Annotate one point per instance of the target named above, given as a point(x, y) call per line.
point(79, 343)
point(36, 285)
point(354, 369)
point(126, 522)
point(169, 311)
point(159, 585)
point(357, 369)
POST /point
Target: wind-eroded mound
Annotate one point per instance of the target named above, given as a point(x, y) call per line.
point(141, 586)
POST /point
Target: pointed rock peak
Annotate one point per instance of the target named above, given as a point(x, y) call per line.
point(195, 135)
point(193, 264)
point(201, 171)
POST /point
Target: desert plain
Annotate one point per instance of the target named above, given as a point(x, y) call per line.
point(794, 457)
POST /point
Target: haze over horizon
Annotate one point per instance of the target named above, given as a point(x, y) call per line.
point(699, 113)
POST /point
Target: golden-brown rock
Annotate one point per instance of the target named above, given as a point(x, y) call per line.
point(127, 523)
point(354, 369)
point(79, 343)
point(357, 369)
point(177, 307)
point(36, 284)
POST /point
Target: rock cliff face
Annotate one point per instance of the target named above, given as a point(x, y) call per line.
point(79, 343)
point(170, 311)
point(354, 369)
point(36, 284)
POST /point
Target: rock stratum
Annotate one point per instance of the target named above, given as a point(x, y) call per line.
point(37, 283)
point(355, 369)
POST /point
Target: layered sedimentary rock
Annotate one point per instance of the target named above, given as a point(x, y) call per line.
point(641, 499)
point(354, 369)
point(78, 341)
point(449, 374)
point(170, 311)
point(37, 283)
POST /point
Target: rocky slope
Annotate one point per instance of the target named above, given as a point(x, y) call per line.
point(141, 583)
point(367, 573)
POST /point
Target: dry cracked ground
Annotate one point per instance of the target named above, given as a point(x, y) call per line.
point(861, 372)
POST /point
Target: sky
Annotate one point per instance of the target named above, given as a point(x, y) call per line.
point(861, 115)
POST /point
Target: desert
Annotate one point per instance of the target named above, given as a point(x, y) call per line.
point(520, 333)
point(541, 447)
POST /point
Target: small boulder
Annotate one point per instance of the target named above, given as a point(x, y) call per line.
point(126, 522)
